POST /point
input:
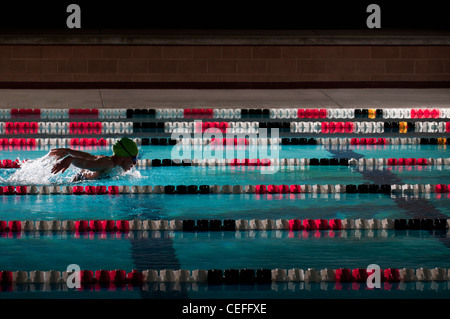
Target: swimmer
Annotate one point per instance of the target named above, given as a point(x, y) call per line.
point(125, 153)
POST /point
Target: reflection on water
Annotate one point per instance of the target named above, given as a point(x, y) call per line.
point(272, 290)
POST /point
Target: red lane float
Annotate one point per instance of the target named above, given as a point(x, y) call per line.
point(10, 229)
point(278, 189)
point(7, 163)
point(343, 275)
point(21, 127)
point(312, 113)
point(441, 188)
point(87, 142)
point(295, 224)
point(85, 127)
point(21, 190)
point(348, 127)
point(106, 225)
point(78, 190)
point(90, 190)
point(14, 226)
point(15, 113)
point(110, 225)
point(336, 127)
point(102, 226)
point(335, 224)
point(8, 190)
point(6, 277)
point(103, 277)
point(111, 279)
point(95, 190)
point(425, 113)
point(107, 278)
point(284, 189)
point(18, 142)
point(359, 275)
point(367, 141)
point(235, 162)
point(422, 161)
point(101, 190)
point(135, 277)
point(392, 161)
point(203, 126)
point(407, 161)
point(315, 224)
point(260, 189)
point(229, 141)
point(198, 113)
point(321, 224)
point(392, 275)
point(272, 189)
point(113, 190)
point(79, 113)
point(332, 127)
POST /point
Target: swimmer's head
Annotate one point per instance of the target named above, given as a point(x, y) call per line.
point(126, 150)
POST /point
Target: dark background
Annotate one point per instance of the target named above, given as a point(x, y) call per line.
point(277, 15)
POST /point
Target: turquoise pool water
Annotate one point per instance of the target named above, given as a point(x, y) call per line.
point(224, 250)
point(227, 175)
point(207, 250)
point(285, 151)
point(232, 250)
point(222, 206)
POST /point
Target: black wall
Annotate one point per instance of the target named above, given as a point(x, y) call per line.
point(143, 14)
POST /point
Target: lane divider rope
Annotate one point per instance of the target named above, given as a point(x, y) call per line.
point(92, 141)
point(16, 226)
point(117, 127)
point(393, 189)
point(265, 162)
point(281, 113)
point(106, 278)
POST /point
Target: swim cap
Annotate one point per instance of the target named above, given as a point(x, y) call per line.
point(125, 147)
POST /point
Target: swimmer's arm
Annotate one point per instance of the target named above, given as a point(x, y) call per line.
point(98, 164)
point(95, 165)
point(63, 152)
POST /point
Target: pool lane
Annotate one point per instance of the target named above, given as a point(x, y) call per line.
point(418, 208)
point(242, 175)
point(220, 206)
point(226, 250)
point(175, 257)
point(284, 151)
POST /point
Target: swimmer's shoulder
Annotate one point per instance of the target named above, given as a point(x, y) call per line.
point(102, 156)
point(104, 159)
point(107, 161)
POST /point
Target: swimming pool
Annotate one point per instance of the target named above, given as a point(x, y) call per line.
point(264, 251)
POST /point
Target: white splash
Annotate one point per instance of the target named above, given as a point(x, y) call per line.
point(119, 174)
point(38, 172)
